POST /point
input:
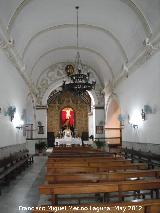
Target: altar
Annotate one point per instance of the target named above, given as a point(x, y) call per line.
point(72, 141)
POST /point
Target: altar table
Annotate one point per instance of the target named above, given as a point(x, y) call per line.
point(59, 141)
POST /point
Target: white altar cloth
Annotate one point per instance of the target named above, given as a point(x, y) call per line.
point(59, 141)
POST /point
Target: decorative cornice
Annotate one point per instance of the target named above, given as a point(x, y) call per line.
point(150, 49)
point(7, 45)
point(15, 59)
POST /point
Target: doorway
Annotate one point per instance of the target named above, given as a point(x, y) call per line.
point(113, 131)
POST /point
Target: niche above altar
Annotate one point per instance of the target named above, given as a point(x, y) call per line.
point(67, 117)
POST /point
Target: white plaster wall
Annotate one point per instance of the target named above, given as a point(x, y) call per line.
point(98, 118)
point(12, 92)
point(30, 117)
point(142, 88)
point(90, 124)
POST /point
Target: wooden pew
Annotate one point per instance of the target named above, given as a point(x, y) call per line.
point(100, 176)
point(84, 159)
point(87, 164)
point(83, 154)
point(79, 152)
point(106, 187)
point(72, 149)
point(98, 168)
point(87, 160)
point(12, 165)
point(146, 206)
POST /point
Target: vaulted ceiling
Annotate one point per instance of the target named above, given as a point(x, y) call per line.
point(111, 32)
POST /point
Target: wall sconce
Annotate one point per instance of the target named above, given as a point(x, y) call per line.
point(11, 110)
point(143, 115)
point(135, 126)
point(122, 119)
point(19, 127)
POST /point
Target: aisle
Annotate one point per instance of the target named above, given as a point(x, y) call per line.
point(23, 191)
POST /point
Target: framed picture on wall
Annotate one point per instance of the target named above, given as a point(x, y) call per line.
point(99, 129)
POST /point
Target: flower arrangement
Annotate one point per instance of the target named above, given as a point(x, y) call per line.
point(99, 144)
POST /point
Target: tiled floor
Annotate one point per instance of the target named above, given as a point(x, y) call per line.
point(23, 191)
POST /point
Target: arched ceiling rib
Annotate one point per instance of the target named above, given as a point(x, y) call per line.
point(130, 3)
point(35, 22)
point(140, 14)
point(106, 65)
point(105, 31)
point(64, 36)
point(111, 32)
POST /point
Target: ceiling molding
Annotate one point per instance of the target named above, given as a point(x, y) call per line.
point(74, 48)
point(8, 48)
point(55, 68)
point(140, 14)
point(16, 13)
point(56, 73)
point(130, 3)
point(147, 53)
point(64, 26)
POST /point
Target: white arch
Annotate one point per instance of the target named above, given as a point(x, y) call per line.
point(130, 3)
point(52, 87)
point(74, 48)
point(106, 31)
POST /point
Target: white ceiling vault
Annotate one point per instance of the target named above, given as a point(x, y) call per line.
point(42, 33)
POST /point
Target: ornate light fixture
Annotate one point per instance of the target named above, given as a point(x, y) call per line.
point(80, 82)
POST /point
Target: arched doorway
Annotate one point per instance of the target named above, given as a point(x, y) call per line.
point(113, 126)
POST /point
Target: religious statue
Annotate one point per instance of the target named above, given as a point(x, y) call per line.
point(68, 115)
point(67, 136)
point(68, 123)
point(67, 133)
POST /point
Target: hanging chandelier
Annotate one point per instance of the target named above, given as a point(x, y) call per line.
point(79, 81)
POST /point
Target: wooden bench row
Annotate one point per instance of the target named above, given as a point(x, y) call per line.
point(96, 168)
point(89, 162)
point(106, 187)
point(74, 149)
point(91, 158)
point(81, 154)
point(147, 157)
point(77, 151)
point(101, 176)
point(12, 165)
